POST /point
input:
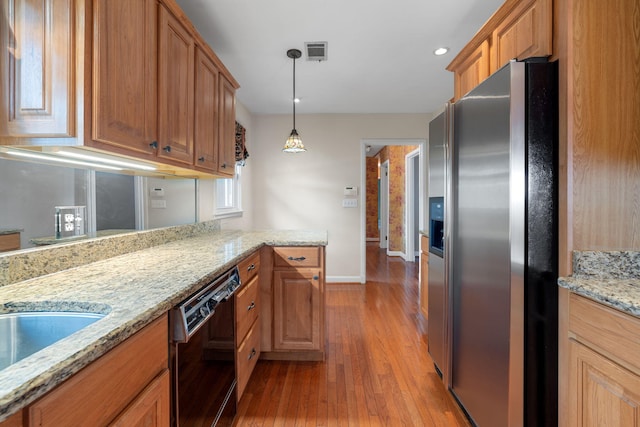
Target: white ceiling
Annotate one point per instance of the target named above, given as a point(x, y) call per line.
point(380, 52)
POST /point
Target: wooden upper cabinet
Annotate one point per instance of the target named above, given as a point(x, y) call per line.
point(125, 95)
point(206, 112)
point(175, 100)
point(37, 63)
point(227, 142)
point(525, 33)
point(520, 29)
point(472, 70)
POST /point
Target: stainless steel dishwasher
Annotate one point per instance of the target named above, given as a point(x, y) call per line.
point(202, 355)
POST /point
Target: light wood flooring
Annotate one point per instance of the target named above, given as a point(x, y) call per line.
point(377, 370)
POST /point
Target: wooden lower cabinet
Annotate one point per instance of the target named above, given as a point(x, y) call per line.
point(298, 303)
point(151, 408)
point(606, 394)
point(599, 364)
point(9, 242)
point(296, 296)
point(424, 276)
point(129, 386)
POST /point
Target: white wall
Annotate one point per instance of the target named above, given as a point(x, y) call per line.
point(305, 191)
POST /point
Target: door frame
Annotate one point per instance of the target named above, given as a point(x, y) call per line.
point(422, 174)
point(409, 212)
point(384, 206)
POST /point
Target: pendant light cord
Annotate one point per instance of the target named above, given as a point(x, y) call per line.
point(294, 93)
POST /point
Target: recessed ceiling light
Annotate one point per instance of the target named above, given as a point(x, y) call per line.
point(441, 51)
point(296, 100)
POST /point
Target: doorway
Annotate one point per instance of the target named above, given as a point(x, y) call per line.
point(416, 197)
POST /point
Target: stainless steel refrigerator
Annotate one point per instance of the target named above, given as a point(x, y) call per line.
point(502, 248)
point(439, 131)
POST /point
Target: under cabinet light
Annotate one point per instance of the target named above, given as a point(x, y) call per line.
point(114, 162)
point(60, 160)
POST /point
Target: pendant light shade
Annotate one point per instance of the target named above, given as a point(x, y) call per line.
point(294, 142)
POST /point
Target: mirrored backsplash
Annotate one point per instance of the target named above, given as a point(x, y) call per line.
point(113, 203)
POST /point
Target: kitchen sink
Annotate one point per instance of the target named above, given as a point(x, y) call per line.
point(24, 333)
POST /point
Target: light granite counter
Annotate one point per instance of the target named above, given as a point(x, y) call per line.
point(612, 278)
point(131, 289)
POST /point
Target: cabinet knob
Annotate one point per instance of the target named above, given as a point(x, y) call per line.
point(167, 148)
point(223, 166)
point(201, 159)
point(154, 145)
point(252, 306)
point(251, 267)
point(315, 277)
point(300, 258)
point(252, 354)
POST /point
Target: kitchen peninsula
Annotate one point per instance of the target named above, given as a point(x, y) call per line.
point(145, 275)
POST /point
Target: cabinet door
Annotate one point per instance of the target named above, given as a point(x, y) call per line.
point(124, 99)
point(297, 309)
point(151, 408)
point(526, 32)
point(472, 71)
point(206, 112)
point(37, 68)
point(604, 393)
point(176, 63)
point(226, 144)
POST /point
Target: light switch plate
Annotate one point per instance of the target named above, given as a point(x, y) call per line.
point(158, 204)
point(349, 203)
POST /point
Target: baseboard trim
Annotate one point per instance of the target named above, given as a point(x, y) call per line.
point(343, 279)
point(396, 253)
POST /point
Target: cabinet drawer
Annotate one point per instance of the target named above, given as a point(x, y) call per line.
point(614, 333)
point(248, 354)
point(296, 256)
point(247, 308)
point(249, 267)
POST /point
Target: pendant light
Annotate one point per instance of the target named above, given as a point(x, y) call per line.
point(294, 142)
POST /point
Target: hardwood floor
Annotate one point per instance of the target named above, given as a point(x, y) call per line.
point(377, 370)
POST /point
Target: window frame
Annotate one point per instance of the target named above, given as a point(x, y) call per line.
point(235, 210)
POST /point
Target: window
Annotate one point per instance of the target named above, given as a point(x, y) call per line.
point(229, 196)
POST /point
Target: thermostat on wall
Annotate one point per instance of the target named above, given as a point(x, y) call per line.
point(351, 191)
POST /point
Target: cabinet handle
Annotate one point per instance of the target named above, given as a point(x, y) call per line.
point(154, 145)
point(251, 267)
point(223, 166)
point(201, 159)
point(252, 354)
point(167, 148)
point(252, 306)
point(300, 258)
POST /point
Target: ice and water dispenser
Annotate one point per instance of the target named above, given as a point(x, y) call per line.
point(436, 225)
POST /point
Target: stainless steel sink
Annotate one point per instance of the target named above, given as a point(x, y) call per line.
point(24, 333)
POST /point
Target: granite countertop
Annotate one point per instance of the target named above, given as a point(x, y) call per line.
point(612, 278)
point(132, 290)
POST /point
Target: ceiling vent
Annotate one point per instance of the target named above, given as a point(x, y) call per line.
point(316, 51)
